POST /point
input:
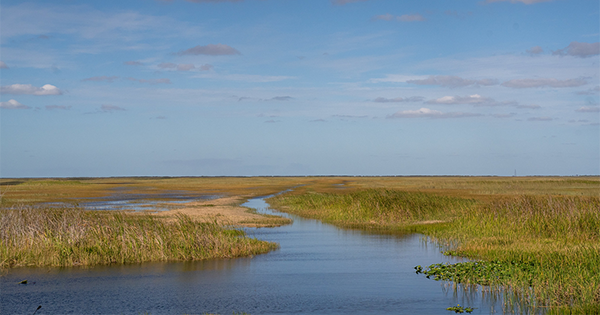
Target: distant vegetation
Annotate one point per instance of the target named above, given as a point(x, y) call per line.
point(70, 236)
point(542, 248)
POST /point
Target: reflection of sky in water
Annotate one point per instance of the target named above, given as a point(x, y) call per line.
point(319, 269)
point(139, 202)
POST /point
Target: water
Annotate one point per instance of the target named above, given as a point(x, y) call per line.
point(123, 201)
point(319, 269)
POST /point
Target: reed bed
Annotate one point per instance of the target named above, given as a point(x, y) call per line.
point(382, 209)
point(71, 236)
point(544, 251)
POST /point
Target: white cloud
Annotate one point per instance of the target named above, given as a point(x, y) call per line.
point(398, 99)
point(3, 65)
point(536, 83)
point(211, 50)
point(577, 49)
point(430, 113)
point(29, 89)
point(12, 104)
point(452, 81)
point(588, 109)
point(101, 78)
point(132, 63)
point(397, 78)
point(470, 99)
point(94, 31)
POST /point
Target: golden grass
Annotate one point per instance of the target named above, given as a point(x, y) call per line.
point(31, 236)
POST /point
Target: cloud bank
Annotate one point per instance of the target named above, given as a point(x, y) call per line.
point(29, 89)
point(430, 113)
point(399, 99)
point(469, 99)
point(452, 81)
point(581, 50)
point(537, 83)
point(588, 109)
point(12, 104)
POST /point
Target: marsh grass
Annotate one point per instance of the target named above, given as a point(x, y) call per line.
point(70, 236)
point(266, 220)
point(543, 252)
point(381, 209)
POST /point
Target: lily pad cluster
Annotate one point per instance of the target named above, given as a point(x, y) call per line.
point(480, 272)
point(460, 309)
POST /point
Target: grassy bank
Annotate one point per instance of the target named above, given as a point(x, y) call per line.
point(544, 249)
point(381, 209)
point(31, 236)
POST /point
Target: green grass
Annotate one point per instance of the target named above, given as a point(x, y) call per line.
point(381, 209)
point(544, 250)
point(70, 236)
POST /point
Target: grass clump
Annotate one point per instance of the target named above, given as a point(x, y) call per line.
point(70, 236)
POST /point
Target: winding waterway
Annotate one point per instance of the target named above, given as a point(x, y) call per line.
point(319, 269)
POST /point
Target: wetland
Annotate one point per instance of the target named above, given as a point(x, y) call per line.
point(356, 245)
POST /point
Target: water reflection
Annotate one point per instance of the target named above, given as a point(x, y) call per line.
point(123, 200)
point(319, 269)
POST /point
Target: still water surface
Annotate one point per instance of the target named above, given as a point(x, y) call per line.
point(319, 269)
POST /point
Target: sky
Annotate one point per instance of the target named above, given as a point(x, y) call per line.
point(289, 87)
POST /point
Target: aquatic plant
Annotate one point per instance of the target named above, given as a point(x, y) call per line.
point(543, 249)
point(460, 309)
point(480, 272)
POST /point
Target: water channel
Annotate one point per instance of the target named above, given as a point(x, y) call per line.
point(319, 269)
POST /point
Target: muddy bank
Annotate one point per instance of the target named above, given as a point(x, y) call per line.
point(225, 210)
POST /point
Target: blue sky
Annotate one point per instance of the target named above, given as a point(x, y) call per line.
point(311, 87)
